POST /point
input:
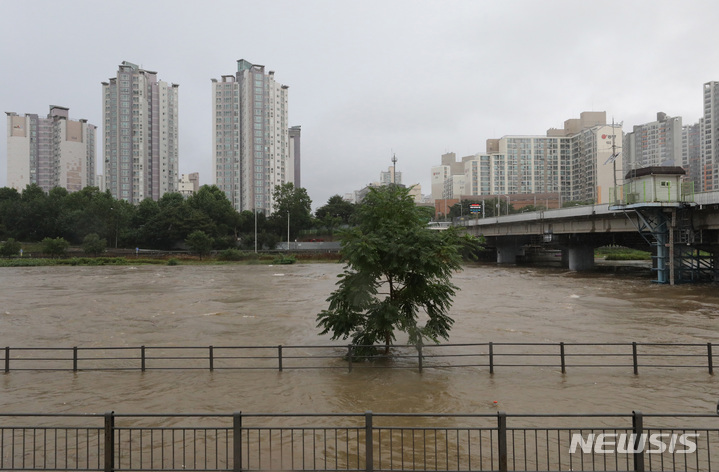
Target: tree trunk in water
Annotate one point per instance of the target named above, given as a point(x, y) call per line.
point(387, 342)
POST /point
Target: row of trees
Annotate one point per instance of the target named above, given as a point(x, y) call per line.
point(33, 215)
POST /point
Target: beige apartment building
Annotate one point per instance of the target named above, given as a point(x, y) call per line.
point(50, 152)
point(251, 147)
point(141, 142)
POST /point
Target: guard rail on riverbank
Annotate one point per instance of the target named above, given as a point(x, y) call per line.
point(495, 357)
point(359, 442)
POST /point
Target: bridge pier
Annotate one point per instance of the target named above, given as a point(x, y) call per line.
point(507, 253)
point(580, 258)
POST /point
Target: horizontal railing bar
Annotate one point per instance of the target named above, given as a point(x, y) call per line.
point(354, 415)
point(341, 346)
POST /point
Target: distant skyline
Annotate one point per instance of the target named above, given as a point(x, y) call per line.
point(371, 79)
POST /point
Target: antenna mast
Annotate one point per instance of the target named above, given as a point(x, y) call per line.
point(394, 169)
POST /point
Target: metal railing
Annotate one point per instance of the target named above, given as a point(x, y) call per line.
point(491, 356)
point(360, 442)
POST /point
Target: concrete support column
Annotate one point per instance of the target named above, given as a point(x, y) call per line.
point(507, 253)
point(580, 257)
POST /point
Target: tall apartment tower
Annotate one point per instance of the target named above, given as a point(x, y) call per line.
point(140, 134)
point(250, 137)
point(295, 134)
point(691, 153)
point(50, 152)
point(709, 129)
point(658, 143)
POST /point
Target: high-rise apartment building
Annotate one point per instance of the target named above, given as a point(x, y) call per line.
point(449, 167)
point(658, 143)
point(295, 133)
point(709, 131)
point(250, 137)
point(691, 154)
point(188, 184)
point(575, 161)
point(141, 145)
point(50, 152)
point(390, 177)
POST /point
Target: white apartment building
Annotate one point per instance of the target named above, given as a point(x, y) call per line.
point(440, 173)
point(141, 145)
point(50, 152)
point(250, 138)
point(390, 177)
point(188, 184)
point(709, 138)
point(575, 161)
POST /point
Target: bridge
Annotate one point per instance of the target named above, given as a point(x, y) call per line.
point(681, 233)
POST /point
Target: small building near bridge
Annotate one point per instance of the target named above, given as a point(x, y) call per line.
point(656, 184)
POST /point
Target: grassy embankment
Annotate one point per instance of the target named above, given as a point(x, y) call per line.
point(76, 257)
point(621, 254)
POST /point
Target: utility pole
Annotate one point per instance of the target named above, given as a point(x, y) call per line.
point(614, 160)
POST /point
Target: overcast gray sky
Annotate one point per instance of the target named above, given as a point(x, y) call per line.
point(369, 78)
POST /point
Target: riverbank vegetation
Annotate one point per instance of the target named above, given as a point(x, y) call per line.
point(618, 253)
point(204, 221)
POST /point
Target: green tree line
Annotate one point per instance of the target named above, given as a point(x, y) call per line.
point(34, 215)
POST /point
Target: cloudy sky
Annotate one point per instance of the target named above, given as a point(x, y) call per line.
point(371, 78)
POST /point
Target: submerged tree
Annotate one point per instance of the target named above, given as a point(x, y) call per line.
point(397, 271)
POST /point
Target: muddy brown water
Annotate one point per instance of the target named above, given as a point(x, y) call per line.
point(272, 305)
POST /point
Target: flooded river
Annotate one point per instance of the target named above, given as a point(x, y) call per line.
point(266, 305)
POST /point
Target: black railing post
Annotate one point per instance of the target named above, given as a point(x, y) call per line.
point(502, 440)
point(369, 442)
point(279, 356)
point(638, 430)
point(710, 358)
point(349, 357)
point(74, 359)
point(7, 359)
point(419, 356)
point(561, 353)
point(109, 442)
point(212, 358)
point(635, 360)
point(491, 357)
point(237, 442)
point(142, 358)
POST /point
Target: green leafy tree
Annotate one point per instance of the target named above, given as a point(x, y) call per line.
point(199, 242)
point(336, 207)
point(397, 273)
point(462, 209)
point(211, 201)
point(9, 202)
point(10, 248)
point(92, 244)
point(55, 247)
point(295, 201)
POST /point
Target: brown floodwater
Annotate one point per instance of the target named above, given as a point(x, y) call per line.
point(271, 305)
